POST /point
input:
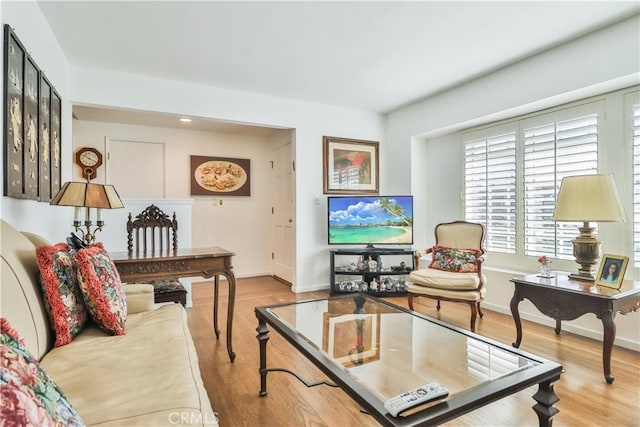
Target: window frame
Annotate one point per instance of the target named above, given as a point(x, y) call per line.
point(567, 111)
point(632, 99)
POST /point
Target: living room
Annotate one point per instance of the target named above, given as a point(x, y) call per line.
point(564, 74)
point(437, 115)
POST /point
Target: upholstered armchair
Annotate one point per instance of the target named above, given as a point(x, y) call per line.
point(455, 270)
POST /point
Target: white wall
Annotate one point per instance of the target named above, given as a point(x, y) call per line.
point(608, 58)
point(33, 31)
point(86, 86)
point(210, 224)
point(595, 64)
point(310, 121)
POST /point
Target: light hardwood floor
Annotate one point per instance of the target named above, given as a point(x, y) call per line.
point(585, 398)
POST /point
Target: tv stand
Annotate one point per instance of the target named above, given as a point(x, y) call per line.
point(371, 248)
point(376, 271)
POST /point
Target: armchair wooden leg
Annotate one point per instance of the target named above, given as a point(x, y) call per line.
point(438, 305)
point(474, 314)
point(480, 310)
point(411, 297)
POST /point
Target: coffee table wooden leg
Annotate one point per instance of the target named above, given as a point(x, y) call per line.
point(516, 317)
point(263, 337)
point(546, 398)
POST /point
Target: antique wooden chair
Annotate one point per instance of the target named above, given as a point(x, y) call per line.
point(455, 271)
point(152, 231)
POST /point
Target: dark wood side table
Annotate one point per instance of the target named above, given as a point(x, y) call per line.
point(564, 299)
point(185, 262)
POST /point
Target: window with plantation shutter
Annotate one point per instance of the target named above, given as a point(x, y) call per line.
point(513, 170)
point(636, 183)
point(490, 189)
point(553, 150)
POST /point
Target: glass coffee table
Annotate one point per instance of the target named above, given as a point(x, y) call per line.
point(375, 350)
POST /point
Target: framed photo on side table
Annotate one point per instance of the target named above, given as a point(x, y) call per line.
point(350, 166)
point(611, 271)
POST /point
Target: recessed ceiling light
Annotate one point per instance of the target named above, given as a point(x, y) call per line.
point(185, 120)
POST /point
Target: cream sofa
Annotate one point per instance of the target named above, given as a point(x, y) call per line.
point(147, 377)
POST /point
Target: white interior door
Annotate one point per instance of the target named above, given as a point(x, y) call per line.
point(283, 214)
point(138, 161)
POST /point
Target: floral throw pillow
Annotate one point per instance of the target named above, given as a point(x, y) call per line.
point(29, 395)
point(455, 260)
point(101, 289)
point(62, 296)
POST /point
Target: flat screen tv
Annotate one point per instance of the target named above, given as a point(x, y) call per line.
point(370, 220)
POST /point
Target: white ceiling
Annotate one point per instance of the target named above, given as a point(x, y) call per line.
point(146, 118)
point(375, 56)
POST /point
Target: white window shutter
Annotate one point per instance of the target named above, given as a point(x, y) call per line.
point(636, 183)
point(490, 189)
point(553, 151)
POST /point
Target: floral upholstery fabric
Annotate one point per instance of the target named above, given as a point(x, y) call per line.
point(167, 290)
point(29, 395)
point(62, 296)
point(162, 286)
point(101, 289)
point(455, 260)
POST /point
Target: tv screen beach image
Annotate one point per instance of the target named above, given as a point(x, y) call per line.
point(371, 220)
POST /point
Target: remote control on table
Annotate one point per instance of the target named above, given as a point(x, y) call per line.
point(415, 397)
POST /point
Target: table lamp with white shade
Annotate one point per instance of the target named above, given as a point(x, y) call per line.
point(588, 198)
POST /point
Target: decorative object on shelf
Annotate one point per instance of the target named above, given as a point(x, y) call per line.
point(364, 270)
point(545, 267)
point(350, 166)
point(575, 202)
point(89, 159)
point(611, 271)
point(31, 131)
point(87, 195)
point(220, 175)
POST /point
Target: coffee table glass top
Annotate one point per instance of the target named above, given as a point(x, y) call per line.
point(389, 350)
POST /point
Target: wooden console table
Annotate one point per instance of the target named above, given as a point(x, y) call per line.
point(564, 299)
point(186, 262)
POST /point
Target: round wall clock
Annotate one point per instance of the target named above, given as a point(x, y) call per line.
point(89, 159)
